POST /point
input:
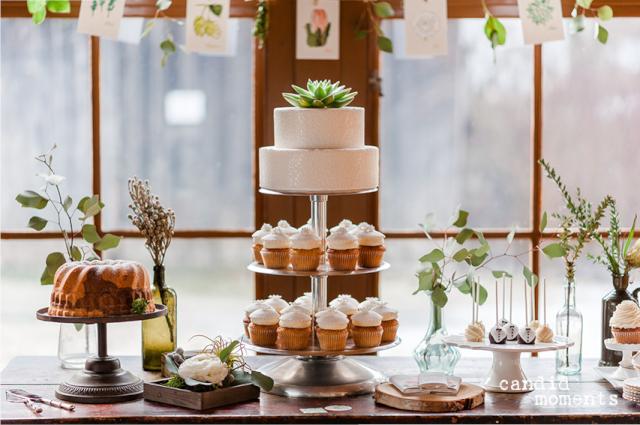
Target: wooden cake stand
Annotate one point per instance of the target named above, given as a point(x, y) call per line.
point(102, 380)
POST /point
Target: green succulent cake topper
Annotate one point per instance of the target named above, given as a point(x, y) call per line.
point(320, 94)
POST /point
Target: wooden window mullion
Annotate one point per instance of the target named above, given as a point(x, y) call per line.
point(536, 172)
point(96, 186)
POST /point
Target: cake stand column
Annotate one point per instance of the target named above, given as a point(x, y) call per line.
point(319, 283)
point(505, 372)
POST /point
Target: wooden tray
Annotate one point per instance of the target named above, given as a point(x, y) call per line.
point(469, 397)
point(155, 391)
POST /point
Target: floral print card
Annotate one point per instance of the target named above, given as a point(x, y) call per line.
point(207, 25)
point(425, 27)
point(318, 29)
point(101, 17)
point(541, 20)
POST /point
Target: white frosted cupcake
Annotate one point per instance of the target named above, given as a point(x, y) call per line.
point(305, 250)
point(389, 321)
point(305, 300)
point(276, 302)
point(257, 236)
point(332, 330)
point(287, 229)
point(264, 326)
point(342, 251)
point(347, 224)
point(328, 311)
point(369, 303)
point(295, 306)
point(294, 330)
point(366, 328)
point(347, 308)
point(359, 228)
point(257, 304)
point(344, 297)
point(275, 251)
point(371, 247)
point(625, 323)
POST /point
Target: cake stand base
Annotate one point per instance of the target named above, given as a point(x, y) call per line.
point(506, 375)
point(102, 381)
point(320, 376)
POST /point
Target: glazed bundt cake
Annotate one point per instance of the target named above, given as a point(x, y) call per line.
point(99, 288)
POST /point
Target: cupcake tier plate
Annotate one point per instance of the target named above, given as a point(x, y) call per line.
point(315, 350)
point(323, 270)
point(102, 380)
point(506, 374)
point(627, 354)
point(311, 193)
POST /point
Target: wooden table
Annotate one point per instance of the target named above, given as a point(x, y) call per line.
point(41, 375)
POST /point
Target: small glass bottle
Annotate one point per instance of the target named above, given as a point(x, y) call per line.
point(569, 324)
point(160, 335)
point(76, 343)
point(432, 355)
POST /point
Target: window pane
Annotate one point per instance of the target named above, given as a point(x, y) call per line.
point(46, 100)
point(186, 127)
point(456, 130)
point(398, 283)
point(591, 110)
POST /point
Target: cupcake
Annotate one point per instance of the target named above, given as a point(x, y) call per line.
point(275, 251)
point(305, 301)
point(297, 306)
point(347, 224)
point(369, 303)
point(332, 330)
point(248, 310)
point(344, 297)
point(625, 323)
point(366, 328)
point(329, 310)
point(287, 229)
point(347, 308)
point(389, 321)
point(305, 250)
point(310, 224)
point(342, 250)
point(257, 241)
point(360, 227)
point(276, 302)
point(264, 326)
point(294, 330)
point(371, 247)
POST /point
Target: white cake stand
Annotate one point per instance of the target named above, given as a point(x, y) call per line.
point(627, 353)
point(506, 368)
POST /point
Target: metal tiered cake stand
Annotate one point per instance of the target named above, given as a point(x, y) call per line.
point(313, 372)
point(102, 380)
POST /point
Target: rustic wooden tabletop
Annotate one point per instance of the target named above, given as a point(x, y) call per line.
point(584, 398)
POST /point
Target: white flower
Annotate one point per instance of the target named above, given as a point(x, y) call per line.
point(633, 255)
point(204, 368)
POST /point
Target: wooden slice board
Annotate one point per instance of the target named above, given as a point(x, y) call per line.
point(469, 397)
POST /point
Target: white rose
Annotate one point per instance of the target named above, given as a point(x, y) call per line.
point(204, 368)
point(633, 255)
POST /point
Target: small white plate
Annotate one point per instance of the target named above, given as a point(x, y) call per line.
point(633, 383)
point(608, 372)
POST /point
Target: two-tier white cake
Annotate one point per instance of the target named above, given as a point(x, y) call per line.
point(319, 150)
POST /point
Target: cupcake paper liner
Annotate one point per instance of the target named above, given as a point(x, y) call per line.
point(246, 322)
point(626, 336)
point(370, 259)
point(275, 259)
point(257, 256)
point(367, 337)
point(332, 340)
point(263, 335)
point(292, 339)
point(305, 263)
point(389, 330)
point(342, 262)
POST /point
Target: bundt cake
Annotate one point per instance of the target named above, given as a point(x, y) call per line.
point(99, 288)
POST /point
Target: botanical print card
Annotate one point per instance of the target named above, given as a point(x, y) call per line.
point(318, 29)
point(207, 25)
point(541, 20)
point(101, 17)
point(425, 27)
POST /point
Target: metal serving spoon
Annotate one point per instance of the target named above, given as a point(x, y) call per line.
point(29, 399)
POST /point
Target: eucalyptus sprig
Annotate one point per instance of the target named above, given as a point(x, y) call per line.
point(168, 46)
point(579, 12)
point(89, 206)
point(373, 13)
point(261, 23)
point(38, 8)
point(494, 30)
point(582, 222)
point(451, 254)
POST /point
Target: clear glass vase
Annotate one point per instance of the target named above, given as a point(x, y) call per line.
point(569, 324)
point(76, 343)
point(432, 355)
point(160, 335)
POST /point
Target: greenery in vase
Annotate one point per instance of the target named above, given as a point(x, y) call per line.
point(374, 11)
point(220, 364)
point(451, 254)
point(582, 222)
point(73, 236)
point(617, 256)
point(320, 94)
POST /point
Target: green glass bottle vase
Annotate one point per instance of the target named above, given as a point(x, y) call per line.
point(160, 335)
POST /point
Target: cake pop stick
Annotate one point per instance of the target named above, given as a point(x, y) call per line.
point(497, 319)
point(545, 299)
point(526, 304)
point(473, 303)
point(476, 295)
point(511, 301)
point(503, 293)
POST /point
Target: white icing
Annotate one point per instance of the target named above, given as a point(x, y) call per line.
point(473, 333)
point(276, 240)
point(332, 320)
point(339, 170)
point(359, 228)
point(534, 324)
point(294, 306)
point(503, 322)
point(370, 236)
point(286, 228)
point(296, 320)
point(327, 311)
point(264, 316)
point(511, 330)
point(370, 302)
point(347, 224)
point(342, 240)
point(254, 306)
point(366, 318)
point(259, 234)
point(305, 239)
point(308, 128)
point(544, 334)
point(498, 333)
point(276, 302)
point(528, 334)
point(345, 297)
point(346, 307)
point(386, 312)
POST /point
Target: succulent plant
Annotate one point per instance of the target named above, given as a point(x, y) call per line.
point(320, 94)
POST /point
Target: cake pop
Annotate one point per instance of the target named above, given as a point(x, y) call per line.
point(476, 321)
point(526, 335)
point(544, 333)
point(497, 335)
point(510, 328)
point(473, 333)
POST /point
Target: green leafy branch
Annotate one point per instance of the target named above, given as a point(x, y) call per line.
point(579, 12)
point(261, 23)
point(88, 206)
point(431, 275)
point(494, 30)
point(168, 46)
point(38, 8)
point(373, 13)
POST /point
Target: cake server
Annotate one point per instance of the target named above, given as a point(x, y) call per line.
point(27, 402)
point(28, 397)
